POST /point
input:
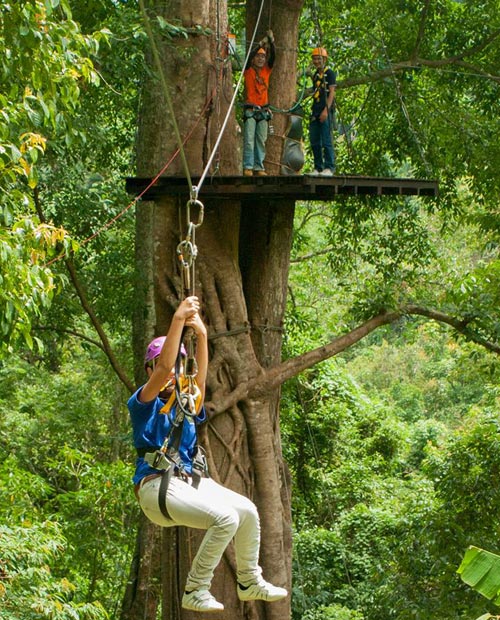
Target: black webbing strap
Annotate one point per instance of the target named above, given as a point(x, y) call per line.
point(141, 452)
point(196, 479)
point(166, 475)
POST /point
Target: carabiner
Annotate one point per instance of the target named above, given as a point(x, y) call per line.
point(201, 212)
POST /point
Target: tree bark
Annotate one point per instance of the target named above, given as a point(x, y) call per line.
point(143, 591)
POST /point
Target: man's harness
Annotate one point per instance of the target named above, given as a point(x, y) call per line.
point(257, 112)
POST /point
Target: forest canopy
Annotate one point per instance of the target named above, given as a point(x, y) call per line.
point(392, 444)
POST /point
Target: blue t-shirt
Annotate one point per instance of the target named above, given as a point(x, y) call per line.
point(150, 427)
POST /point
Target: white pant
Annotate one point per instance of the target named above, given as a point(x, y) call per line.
point(222, 512)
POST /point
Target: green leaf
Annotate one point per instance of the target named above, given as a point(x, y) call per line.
point(480, 569)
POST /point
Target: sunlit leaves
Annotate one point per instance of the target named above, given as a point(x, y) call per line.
point(29, 588)
point(418, 82)
point(45, 63)
point(27, 283)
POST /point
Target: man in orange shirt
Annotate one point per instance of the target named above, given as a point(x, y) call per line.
point(257, 113)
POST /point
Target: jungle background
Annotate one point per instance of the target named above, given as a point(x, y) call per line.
point(393, 446)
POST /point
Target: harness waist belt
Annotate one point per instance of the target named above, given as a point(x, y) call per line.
point(256, 107)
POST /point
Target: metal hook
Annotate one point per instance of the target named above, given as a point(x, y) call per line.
point(201, 211)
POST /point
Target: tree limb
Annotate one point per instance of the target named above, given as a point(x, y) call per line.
point(305, 257)
point(263, 383)
point(421, 29)
point(106, 347)
point(98, 327)
point(71, 332)
point(460, 325)
point(473, 68)
point(416, 62)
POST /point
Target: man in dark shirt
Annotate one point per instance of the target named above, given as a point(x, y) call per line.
point(320, 125)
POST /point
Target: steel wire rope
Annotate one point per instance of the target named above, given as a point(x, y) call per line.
point(218, 74)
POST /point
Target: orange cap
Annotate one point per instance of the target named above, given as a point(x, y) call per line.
point(319, 51)
point(261, 50)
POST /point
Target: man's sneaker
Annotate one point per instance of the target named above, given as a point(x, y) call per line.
point(260, 173)
point(261, 591)
point(248, 172)
point(327, 173)
point(314, 173)
point(201, 600)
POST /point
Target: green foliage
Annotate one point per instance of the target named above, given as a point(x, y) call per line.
point(332, 612)
point(45, 63)
point(481, 570)
point(319, 567)
point(29, 589)
point(59, 452)
point(432, 111)
point(27, 284)
point(393, 450)
point(394, 456)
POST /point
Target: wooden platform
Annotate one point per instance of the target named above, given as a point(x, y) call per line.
point(299, 187)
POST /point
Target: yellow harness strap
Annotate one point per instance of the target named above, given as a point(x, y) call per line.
point(192, 393)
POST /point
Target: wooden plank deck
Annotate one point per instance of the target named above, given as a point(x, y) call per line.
point(299, 187)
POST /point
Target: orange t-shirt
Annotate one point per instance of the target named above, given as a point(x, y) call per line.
point(256, 85)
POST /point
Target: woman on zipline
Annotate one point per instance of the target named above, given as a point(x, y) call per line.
point(171, 481)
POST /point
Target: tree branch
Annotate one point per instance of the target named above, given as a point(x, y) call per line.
point(301, 259)
point(480, 46)
point(106, 347)
point(98, 327)
point(71, 332)
point(421, 30)
point(460, 325)
point(474, 69)
point(265, 382)
point(416, 62)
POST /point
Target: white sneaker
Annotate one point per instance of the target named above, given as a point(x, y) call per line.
point(327, 173)
point(201, 600)
point(314, 173)
point(261, 591)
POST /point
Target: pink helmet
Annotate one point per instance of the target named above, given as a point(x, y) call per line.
point(155, 347)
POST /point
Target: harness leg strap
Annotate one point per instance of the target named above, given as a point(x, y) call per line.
point(166, 475)
point(196, 479)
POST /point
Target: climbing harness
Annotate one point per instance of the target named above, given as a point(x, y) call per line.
point(183, 404)
point(257, 112)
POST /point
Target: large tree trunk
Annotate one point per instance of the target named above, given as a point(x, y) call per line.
point(242, 271)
